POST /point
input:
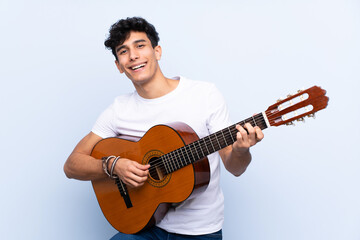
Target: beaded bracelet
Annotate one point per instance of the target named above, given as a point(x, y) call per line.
point(112, 168)
point(105, 161)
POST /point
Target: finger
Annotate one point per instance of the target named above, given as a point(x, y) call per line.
point(249, 128)
point(139, 170)
point(259, 134)
point(241, 129)
point(134, 179)
point(241, 145)
point(126, 168)
point(251, 133)
point(137, 179)
point(141, 166)
point(242, 135)
point(133, 183)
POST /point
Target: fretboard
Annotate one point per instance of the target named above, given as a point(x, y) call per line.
point(199, 149)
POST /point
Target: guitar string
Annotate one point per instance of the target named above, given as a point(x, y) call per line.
point(251, 119)
point(173, 163)
point(207, 143)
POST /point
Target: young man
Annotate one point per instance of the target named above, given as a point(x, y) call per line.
point(161, 100)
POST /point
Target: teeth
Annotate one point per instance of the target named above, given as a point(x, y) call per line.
point(137, 67)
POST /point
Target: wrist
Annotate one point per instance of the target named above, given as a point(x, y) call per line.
point(241, 152)
point(108, 164)
point(112, 175)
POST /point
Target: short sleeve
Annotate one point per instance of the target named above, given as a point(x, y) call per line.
point(104, 125)
point(219, 117)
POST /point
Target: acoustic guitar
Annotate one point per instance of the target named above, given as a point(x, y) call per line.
point(179, 165)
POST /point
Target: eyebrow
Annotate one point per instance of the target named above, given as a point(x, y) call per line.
point(124, 46)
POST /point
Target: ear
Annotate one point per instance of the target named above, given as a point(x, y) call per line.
point(158, 52)
point(121, 70)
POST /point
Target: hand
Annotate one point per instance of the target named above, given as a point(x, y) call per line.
point(131, 173)
point(247, 138)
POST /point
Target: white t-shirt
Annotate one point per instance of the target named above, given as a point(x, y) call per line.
point(201, 106)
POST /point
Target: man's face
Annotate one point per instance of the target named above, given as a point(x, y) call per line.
point(137, 58)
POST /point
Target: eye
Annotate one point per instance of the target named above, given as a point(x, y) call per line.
point(141, 45)
point(122, 52)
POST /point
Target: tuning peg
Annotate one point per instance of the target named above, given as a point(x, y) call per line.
point(300, 119)
point(290, 123)
point(311, 115)
point(301, 90)
point(289, 95)
point(279, 100)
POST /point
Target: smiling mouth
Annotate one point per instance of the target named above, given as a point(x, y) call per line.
point(138, 66)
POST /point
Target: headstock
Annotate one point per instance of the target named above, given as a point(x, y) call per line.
point(297, 106)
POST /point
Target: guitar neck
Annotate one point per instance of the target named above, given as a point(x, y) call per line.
point(199, 149)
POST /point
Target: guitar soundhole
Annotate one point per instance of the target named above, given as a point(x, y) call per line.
point(157, 173)
point(156, 170)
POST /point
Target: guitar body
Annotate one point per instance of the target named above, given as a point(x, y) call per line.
point(150, 202)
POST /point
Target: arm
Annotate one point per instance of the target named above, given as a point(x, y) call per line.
point(80, 165)
point(237, 157)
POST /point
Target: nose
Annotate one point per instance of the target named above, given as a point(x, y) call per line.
point(133, 55)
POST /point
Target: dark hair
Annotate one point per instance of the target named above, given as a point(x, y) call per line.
point(120, 31)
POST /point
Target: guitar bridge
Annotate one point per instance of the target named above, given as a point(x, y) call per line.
point(123, 192)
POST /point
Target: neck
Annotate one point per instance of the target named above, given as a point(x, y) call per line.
point(157, 87)
point(199, 149)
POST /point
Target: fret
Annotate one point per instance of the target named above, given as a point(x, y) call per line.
point(264, 125)
point(173, 158)
point(203, 155)
point(232, 138)
point(214, 150)
point(260, 121)
point(224, 138)
point(217, 140)
point(168, 156)
point(180, 150)
point(163, 161)
point(181, 158)
point(184, 161)
point(186, 154)
point(193, 158)
point(243, 123)
point(170, 162)
point(208, 152)
point(254, 121)
point(176, 159)
point(196, 150)
point(167, 161)
point(190, 156)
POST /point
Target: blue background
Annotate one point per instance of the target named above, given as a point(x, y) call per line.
point(57, 77)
